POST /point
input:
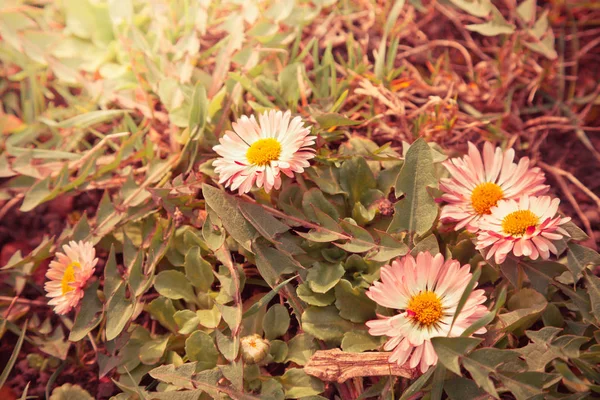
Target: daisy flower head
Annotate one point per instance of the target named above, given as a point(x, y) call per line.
point(526, 227)
point(425, 290)
point(255, 153)
point(478, 183)
point(68, 275)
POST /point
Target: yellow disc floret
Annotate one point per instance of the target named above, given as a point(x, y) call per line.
point(516, 223)
point(263, 151)
point(425, 307)
point(69, 277)
point(485, 196)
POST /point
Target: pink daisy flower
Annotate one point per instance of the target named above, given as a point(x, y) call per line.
point(527, 228)
point(68, 275)
point(256, 153)
point(478, 184)
point(426, 292)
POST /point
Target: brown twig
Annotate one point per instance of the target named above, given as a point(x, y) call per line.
point(338, 366)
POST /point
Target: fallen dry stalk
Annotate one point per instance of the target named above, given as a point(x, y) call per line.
point(337, 366)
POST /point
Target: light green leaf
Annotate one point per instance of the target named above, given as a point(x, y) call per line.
point(478, 8)
point(151, 352)
point(356, 178)
point(450, 349)
point(300, 348)
point(296, 384)
point(325, 323)
point(497, 26)
point(273, 263)
point(187, 321)
point(388, 248)
point(359, 341)
point(323, 277)
point(276, 321)
point(201, 348)
point(313, 298)
point(198, 271)
point(314, 200)
point(88, 316)
point(226, 207)
point(579, 258)
point(330, 120)
point(267, 225)
point(361, 240)
point(417, 211)
point(353, 304)
point(483, 362)
point(266, 298)
point(163, 311)
point(526, 10)
point(174, 285)
point(119, 310)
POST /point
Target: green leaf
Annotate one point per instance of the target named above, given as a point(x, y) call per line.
point(119, 310)
point(200, 347)
point(450, 349)
point(528, 306)
point(356, 178)
point(91, 118)
point(36, 195)
point(483, 362)
point(325, 323)
point(461, 388)
point(151, 352)
point(174, 285)
point(361, 240)
point(593, 286)
point(327, 232)
point(526, 385)
point(497, 26)
point(330, 120)
point(428, 244)
point(198, 111)
point(300, 348)
point(359, 341)
point(314, 200)
point(229, 347)
point(14, 355)
point(417, 211)
point(478, 8)
point(267, 225)
point(279, 350)
point(541, 274)
point(313, 298)
point(273, 263)
point(323, 277)
point(198, 271)
point(388, 248)
point(209, 318)
point(417, 385)
point(187, 321)
point(88, 316)
point(526, 10)
point(266, 298)
point(276, 321)
point(327, 178)
point(579, 258)
point(112, 278)
point(226, 207)
point(296, 384)
point(163, 311)
point(353, 304)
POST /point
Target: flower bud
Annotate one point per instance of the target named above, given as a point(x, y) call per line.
point(254, 348)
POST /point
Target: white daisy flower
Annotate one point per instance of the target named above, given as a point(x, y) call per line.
point(68, 275)
point(256, 153)
point(526, 228)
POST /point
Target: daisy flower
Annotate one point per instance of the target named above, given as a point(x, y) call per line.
point(255, 153)
point(527, 228)
point(477, 184)
point(426, 292)
point(68, 275)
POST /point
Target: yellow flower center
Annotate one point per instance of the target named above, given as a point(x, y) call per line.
point(485, 196)
point(516, 223)
point(69, 277)
point(425, 307)
point(252, 343)
point(263, 151)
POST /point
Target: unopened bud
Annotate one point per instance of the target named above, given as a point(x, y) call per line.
point(254, 348)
